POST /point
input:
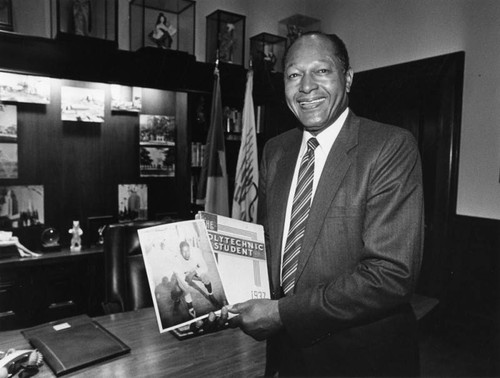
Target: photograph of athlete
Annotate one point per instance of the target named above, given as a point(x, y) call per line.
point(182, 272)
point(188, 268)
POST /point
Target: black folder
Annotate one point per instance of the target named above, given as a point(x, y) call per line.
point(73, 343)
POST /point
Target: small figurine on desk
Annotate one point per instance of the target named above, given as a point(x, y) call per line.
point(100, 239)
point(76, 240)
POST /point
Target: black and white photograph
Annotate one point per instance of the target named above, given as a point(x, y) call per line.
point(8, 160)
point(82, 104)
point(344, 155)
point(8, 142)
point(24, 88)
point(182, 273)
point(157, 161)
point(8, 123)
point(157, 129)
point(132, 202)
point(126, 99)
point(21, 206)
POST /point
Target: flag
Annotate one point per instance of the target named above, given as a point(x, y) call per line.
point(212, 189)
point(247, 170)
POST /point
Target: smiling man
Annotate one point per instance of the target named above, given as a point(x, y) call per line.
point(342, 206)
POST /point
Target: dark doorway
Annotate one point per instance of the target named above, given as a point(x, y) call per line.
point(425, 97)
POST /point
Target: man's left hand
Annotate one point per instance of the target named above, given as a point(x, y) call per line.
point(258, 318)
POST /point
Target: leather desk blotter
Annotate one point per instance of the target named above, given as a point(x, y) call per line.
point(73, 343)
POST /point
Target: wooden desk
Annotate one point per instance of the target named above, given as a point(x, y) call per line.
point(226, 353)
point(55, 285)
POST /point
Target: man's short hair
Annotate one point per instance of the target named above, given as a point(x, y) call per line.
point(338, 45)
point(183, 244)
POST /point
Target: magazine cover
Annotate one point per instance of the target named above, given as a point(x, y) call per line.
point(241, 257)
point(182, 273)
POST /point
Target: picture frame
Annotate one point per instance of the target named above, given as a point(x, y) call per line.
point(157, 129)
point(6, 15)
point(157, 161)
point(126, 99)
point(132, 202)
point(82, 104)
point(21, 206)
point(30, 89)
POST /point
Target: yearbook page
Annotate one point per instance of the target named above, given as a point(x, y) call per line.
point(240, 251)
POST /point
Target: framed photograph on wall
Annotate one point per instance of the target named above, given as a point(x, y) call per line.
point(157, 129)
point(157, 161)
point(132, 202)
point(8, 123)
point(82, 104)
point(8, 142)
point(8, 161)
point(21, 206)
point(6, 15)
point(126, 99)
point(24, 88)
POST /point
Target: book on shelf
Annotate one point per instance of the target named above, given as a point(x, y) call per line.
point(197, 267)
point(259, 119)
point(232, 119)
point(197, 154)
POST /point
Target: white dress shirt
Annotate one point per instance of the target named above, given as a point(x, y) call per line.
point(326, 138)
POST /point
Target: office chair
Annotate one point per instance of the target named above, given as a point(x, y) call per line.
point(126, 284)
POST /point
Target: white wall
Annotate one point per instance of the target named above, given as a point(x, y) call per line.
point(385, 32)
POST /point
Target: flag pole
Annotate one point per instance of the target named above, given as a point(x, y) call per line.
point(213, 184)
point(245, 196)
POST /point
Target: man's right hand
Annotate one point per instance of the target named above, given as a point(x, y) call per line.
point(215, 323)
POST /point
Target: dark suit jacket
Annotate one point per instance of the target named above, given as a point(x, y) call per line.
point(360, 258)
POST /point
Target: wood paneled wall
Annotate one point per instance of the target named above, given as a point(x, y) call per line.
point(81, 164)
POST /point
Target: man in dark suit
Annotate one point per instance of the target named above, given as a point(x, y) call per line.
point(345, 239)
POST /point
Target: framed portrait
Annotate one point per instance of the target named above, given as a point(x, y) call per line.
point(6, 15)
point(132, 202)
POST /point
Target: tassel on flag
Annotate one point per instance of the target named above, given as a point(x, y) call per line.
point(213, 185)
point(247, 170)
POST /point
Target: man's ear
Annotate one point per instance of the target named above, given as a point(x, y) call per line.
point(349, 77)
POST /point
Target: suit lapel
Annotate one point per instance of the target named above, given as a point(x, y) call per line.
point(278, 198)
point(336, 166)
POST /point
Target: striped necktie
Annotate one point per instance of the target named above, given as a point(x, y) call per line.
point(298, 219)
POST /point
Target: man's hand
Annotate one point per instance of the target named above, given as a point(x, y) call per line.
point(213, 323)
point(258, 318)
